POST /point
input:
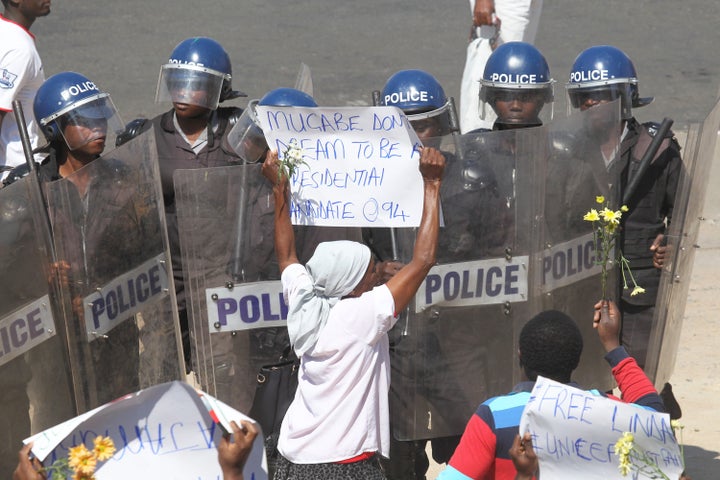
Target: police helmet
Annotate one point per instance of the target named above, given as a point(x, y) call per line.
point(198, 72)
point(604, 73)
point(420, 96)
point(517, 71)
point(71, 99)
point(246, 138)
point(287, 97)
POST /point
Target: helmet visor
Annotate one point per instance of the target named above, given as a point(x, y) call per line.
point(91, 121)
point(586, 97)
point(433, 123)
point(246, 138)
point(193, 86)
point(517, 106)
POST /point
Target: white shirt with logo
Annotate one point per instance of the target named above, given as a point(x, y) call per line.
point(21, 75)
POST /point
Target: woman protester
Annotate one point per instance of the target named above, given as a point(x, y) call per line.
point(338, 423)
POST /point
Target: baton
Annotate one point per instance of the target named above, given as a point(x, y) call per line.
point(32, 166)
point(647, 159)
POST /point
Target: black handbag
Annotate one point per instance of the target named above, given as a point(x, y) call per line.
point(275, 390)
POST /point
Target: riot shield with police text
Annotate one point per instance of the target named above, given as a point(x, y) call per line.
point(700, 150)
point(236, 310)
point(458, 345)
point(35, 376)
point(237, 314)
point(582, 149)
point(114, 270)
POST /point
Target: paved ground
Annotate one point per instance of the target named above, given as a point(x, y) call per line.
point(353, 47)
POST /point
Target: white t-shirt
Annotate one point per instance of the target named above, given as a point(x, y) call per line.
point(340, 408)
point(21, 75)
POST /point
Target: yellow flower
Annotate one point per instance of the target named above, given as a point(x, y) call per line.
point(611, 216)
point(82, 460)
point(600, 199)
point(624, 208)
point(83, 476)
point(637, 291)
point(676, 425)
point(592, 216)
point(104, 448)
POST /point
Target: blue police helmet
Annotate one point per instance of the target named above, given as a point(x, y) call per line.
point(517, 65)
point(287, 97)
point(604, 68)
point(65, 94)
point(209, 54)
point(413, 91)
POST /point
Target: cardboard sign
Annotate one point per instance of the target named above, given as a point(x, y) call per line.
point(361, 164)
point(165, 431)
point(574, 433)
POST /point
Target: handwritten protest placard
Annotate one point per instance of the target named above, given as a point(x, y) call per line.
point(165, 431)
point(361, 165)
point(574, 433)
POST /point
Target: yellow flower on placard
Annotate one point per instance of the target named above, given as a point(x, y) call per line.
point(600, 199)
point(592, 216)
point(104, 448)
point(82, 460)
point(83, 476)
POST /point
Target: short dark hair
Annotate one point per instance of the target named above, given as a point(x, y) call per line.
point(550, 345)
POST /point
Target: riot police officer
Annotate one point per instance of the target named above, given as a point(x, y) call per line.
point(601, 74)
point(517, 86)
point(424, 371)
point(196, 78)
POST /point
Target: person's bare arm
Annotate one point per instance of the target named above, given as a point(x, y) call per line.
point(608, 328)
point(232, 455)
point(27, 469)
point(406, 282)
point(284, 235)
point(483, 12)
point(523, 457)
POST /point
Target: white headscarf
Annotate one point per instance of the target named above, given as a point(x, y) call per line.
point(336, 269)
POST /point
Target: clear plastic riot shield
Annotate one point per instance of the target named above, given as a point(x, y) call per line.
point(35, 377)
point(578, 172)
point(700, 150)
point(236, 311)
point(458, 344)
point(237, 315)
point(113, 264)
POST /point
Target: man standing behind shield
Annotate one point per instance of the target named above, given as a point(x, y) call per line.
point(196, 79)
point(599, 75)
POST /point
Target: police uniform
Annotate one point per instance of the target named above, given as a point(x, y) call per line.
point(650, 209)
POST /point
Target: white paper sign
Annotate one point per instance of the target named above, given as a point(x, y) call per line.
point(574, 433)
point(165, 431)
point(361, 165)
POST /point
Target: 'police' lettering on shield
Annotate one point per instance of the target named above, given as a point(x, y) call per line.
point(482, 282)
point(124, 296)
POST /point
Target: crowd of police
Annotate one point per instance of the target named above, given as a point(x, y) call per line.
point(107, 253)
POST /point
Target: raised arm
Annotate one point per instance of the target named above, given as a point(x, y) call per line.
point(284, 235)
point(406, 282)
